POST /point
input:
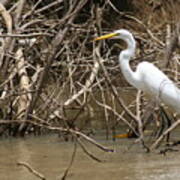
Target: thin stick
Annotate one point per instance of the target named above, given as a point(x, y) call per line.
point(25, 35)
point(114, 91)
point(87, 152)
point(31, 170)
point(71, 162)
point(42, 123)
point(158, 141)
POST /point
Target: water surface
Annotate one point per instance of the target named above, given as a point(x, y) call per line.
point(50, 156)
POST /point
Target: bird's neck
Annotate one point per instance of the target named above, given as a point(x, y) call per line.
point(124, 58)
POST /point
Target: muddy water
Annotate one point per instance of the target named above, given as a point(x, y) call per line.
point(50, 156)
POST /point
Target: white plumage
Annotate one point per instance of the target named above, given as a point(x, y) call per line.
point(146, 77)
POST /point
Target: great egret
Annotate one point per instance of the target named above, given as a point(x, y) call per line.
point(147, 77)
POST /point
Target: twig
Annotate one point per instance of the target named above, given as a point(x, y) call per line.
point(44, 124)
point(157, 142)
point(139, 22)
point(88, 83)
point(8, 20)
point(48, 6)
point(25, 35)
point(72, 160)
point(19, 9)
point(114, 91)
point(31, 170)
point(172, 43)
point(119, 116)
point(87, 152)
point(50, 58)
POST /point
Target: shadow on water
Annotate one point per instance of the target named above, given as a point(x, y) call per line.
point(50, 156)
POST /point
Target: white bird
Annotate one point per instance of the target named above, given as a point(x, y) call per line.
point(147, 77)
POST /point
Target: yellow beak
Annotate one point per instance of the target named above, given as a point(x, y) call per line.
point(107, 36)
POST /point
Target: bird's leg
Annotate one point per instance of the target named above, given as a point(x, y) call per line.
point(166, 120)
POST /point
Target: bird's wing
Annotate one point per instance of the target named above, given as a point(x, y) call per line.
point(150, 78)
point(156, 83)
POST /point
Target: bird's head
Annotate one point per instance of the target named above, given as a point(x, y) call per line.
point(119, 34)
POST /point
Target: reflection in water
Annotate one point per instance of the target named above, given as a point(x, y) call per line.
point(51, 157)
